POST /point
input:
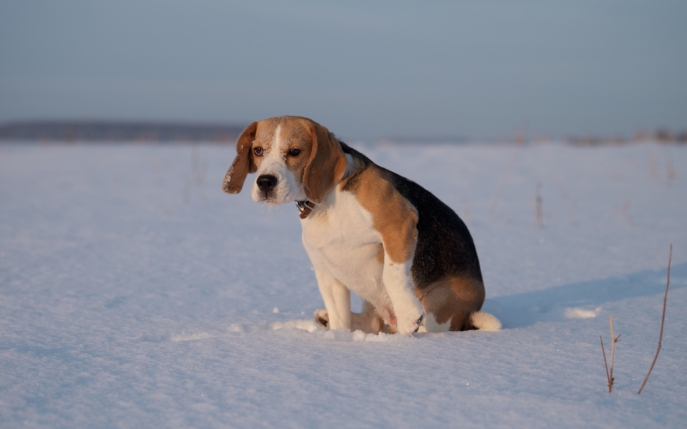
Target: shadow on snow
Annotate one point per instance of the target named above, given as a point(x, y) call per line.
point(581, 300)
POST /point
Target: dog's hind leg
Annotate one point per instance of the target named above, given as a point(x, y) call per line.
point(453, 303)
point(367, 321)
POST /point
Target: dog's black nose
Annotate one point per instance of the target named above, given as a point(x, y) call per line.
point(266, 182)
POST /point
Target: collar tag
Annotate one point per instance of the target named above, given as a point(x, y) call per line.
point(305, 208)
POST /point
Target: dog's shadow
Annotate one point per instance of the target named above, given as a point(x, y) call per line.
point(581, 300)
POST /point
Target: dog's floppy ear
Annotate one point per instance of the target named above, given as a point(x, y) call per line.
point(243, 163)
point(326, 165)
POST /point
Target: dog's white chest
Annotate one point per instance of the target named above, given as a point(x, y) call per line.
point(339, 221)
point(339, 238)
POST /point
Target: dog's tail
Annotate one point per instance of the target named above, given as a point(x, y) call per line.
point(484, 321)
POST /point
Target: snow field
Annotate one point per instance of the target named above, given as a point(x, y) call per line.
point(135, 293)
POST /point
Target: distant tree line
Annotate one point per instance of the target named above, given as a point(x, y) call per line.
point(113, 131)
point(662, 135)
point(131, 131)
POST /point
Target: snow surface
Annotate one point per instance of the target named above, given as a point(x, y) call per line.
point(135, 293)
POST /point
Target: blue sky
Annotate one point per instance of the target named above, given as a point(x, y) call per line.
point(366, 70)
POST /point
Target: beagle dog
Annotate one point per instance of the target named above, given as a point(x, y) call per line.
point(366, 230)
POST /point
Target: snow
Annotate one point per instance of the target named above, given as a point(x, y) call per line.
point(135, 293)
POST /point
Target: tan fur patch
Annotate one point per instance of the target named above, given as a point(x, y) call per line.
point(326, 165)
point(392, 215)
point(453, 299)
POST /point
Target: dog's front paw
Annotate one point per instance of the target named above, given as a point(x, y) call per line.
point(410, 325)
point(322, 317)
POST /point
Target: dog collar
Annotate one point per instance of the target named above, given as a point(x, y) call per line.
point(305, 207)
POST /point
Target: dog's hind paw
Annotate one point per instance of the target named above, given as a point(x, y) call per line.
point(322, 317)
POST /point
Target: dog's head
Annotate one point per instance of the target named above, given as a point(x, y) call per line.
point(295, 159)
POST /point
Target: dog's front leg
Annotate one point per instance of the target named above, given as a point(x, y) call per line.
point(337, 300)
point(399, 286)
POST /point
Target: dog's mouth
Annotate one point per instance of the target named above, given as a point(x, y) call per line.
point(268, 197)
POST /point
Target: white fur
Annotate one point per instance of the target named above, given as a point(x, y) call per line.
point(431, 324)
point(274, 163)
point(485, 321)
point(396, 278)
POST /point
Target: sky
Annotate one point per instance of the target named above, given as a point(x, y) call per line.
point(366, 70)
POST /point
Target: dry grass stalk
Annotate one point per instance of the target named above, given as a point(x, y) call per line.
point(653, 170)
point(608, 376)
point(520, 142)
point(663, 319)
point(670, 171)
point(614, 340)
point(198, 176)
point(609, 372)
point(539, 214)
point(199, 169)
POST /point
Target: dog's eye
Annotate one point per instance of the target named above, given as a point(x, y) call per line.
point(294, 151)
point(257, 151)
